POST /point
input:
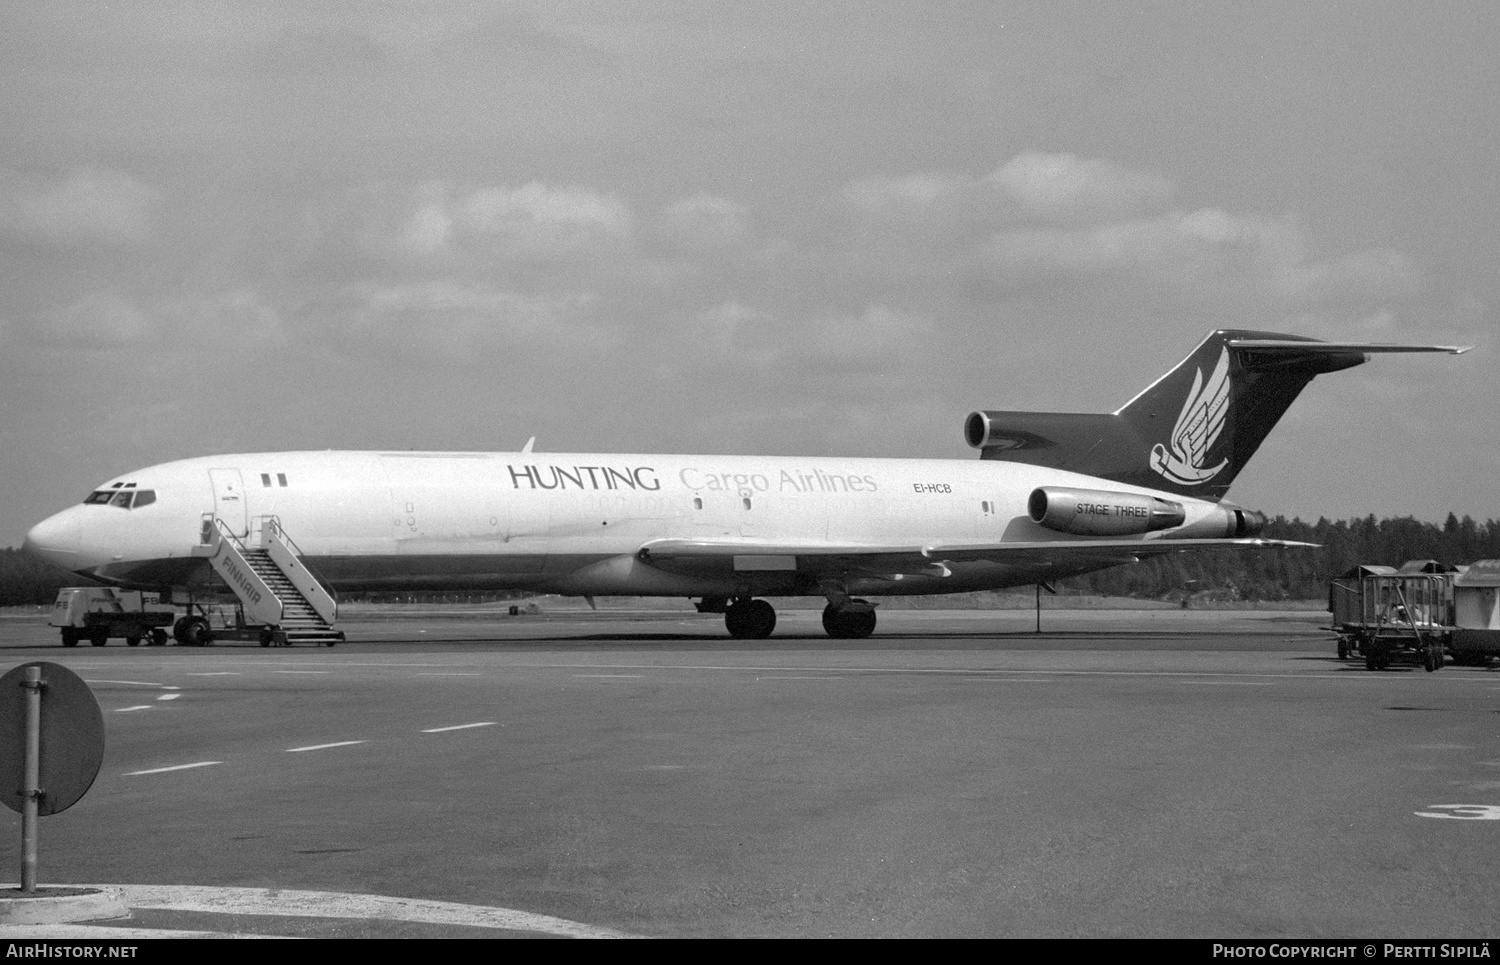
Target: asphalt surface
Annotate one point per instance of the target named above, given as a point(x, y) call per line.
point(1152, 774)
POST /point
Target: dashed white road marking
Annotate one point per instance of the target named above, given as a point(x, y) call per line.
point(1230, 683)
point(169, 696)
point(451, 673)
point(126, 710)
point(441, 730)
point(1463, 812)
point(175, 767)
point(322, 747)
point(133, 683)
point(216, 673)
point(805, 677)
point(303, 671)
point(610, 676)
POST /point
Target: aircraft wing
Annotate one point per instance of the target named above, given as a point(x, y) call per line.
point(1342, 348)
point(714, 557)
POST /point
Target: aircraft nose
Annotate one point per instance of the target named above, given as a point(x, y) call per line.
point(55, 539)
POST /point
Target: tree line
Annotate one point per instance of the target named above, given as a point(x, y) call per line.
point(1294, 574)
point(1297, 574)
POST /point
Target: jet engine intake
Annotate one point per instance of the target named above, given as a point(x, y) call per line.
point(1099, 512)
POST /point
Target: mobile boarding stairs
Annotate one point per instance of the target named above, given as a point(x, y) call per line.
point(280, 601)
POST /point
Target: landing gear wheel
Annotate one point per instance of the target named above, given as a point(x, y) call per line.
point(195, 632)
point(750, 619)
point(849, 623)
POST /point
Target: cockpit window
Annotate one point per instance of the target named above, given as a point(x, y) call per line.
point(123, 498)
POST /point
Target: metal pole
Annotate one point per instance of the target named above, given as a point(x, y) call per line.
point(1039, 608)
point(30, 793)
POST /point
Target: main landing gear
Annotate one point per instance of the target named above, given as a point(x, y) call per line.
point(750, 619)
point(852, 620)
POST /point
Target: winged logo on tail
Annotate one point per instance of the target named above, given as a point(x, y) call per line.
point(1197, 429)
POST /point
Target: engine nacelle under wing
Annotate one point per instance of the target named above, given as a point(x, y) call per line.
point(1100, 512)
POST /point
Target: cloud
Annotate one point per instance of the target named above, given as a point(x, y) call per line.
point(1066, 187)
point(914, 191)
point(1209, 254)
point(319, 51)
point(450, 321)
point(103, 318)
point(88, 207)
point(703, 221)
point(537, 222)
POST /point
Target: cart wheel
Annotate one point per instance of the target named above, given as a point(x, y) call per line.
point(1343, 649)
point(69, 637)
point(158, 637)
point(267, 636)
point(99, 637)
point(195, 632)
point(132, 641)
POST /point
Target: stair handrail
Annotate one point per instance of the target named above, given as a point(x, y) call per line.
point(275, 523)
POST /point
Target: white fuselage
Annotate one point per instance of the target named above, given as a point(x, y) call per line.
point(563, 522)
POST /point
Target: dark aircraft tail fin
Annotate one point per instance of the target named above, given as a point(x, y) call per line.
point(1192, 430)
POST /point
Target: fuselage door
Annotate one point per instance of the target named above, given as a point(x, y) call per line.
point(229, 499)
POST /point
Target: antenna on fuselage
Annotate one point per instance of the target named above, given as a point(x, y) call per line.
point(526, 449)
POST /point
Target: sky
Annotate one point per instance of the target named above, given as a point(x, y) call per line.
point(800, 229)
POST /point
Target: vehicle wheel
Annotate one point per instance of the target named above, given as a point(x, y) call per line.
point(267, 636)
point(1372, 662)
point(750, 619)
point(1343, 649)
point(99, 637)
point(849, 623)
point(69, 637)
point(132, 641)
point(195, 632)
point(158, 637)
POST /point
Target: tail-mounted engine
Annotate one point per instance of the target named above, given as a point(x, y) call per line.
point(1099, 512)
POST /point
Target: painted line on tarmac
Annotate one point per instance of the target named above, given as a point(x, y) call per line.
point(175, 767)
point(322, 747)
point(806, 677)
point(169, 696)
point(216, 673)
point(450, 673)
point(333, 904)
point(444, 730)
point(126, 710)
point(977, 672)
point(133, 683)
point(610, 676)
point(302, 671)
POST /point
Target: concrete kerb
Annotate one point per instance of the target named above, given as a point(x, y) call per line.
point(55, 905)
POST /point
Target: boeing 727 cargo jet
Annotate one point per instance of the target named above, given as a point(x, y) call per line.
point(1051, 495)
